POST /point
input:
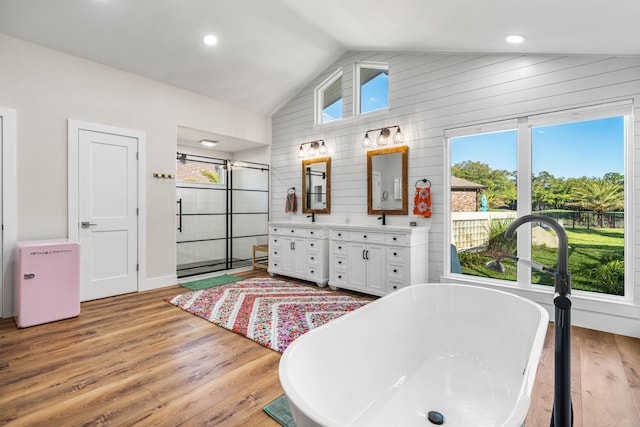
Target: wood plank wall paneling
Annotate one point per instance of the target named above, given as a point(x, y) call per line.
point(431, 92)
point(137, 360)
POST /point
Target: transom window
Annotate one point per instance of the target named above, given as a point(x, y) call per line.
point(371, 86)
point(569, 166)
point(328, 97)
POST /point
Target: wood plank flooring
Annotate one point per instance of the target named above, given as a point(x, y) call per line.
point(137, 360)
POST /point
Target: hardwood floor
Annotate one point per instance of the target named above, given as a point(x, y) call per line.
point(135, 359)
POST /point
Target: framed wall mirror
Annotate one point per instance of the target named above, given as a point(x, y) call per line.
point(387, 181)
point(316, 185)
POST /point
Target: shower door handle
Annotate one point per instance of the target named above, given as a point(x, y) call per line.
point(179, 202)
point(86, 224)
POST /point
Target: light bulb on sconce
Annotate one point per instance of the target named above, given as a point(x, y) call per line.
point(366, 142)
point(301, 152)
point(384, 137)
point(323, 149)
point(398, 137)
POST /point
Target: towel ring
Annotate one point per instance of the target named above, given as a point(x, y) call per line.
point(291, 190)
point(425, 180)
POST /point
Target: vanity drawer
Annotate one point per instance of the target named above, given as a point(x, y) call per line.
point(339, 235)
point(395, 271)
point(286, 231)
point(312, 244)
point(398, 239)
point(366, 237)
point(395, 253)
point(274, 241)
point(315, 233)
point(313, 258)
point(313, 272)
point(274, 252)
point(340, 277)
point(339, 248)
point(340, 262)
point(394, 285)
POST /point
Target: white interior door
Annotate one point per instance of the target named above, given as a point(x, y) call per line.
point(107, 213)
point(8, 211)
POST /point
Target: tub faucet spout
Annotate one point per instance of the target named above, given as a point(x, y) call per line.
point(562, 414)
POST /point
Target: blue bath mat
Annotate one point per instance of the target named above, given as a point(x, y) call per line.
point(279, 411)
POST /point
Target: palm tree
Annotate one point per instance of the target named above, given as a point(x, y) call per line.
point(600, 197)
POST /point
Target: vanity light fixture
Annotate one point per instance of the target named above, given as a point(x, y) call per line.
point(384, 137)
point(314, 149)
point(208, 143)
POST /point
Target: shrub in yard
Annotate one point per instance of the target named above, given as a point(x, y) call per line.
point(497, 241)
point(611, 276)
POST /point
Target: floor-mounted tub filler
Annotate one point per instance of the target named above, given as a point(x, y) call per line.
point(431, 354)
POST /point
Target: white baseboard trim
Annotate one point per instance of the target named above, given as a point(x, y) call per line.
point(158, 282)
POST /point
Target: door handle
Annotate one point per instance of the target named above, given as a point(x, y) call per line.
point(87, 224)
point(179, 202)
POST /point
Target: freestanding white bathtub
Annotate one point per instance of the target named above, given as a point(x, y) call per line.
point(465, 352)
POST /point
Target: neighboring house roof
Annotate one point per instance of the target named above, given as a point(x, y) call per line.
point(459, 184)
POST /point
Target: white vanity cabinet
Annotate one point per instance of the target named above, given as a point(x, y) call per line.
point(300, 251)
point(378, 260)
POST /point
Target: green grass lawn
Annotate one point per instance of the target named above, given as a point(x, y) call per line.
point(589, 250)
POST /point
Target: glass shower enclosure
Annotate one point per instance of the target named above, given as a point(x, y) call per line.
point(222, 210)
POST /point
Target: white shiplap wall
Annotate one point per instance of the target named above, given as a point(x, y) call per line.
point(433, 92)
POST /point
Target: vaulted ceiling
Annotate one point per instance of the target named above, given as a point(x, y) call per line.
point(268, 50)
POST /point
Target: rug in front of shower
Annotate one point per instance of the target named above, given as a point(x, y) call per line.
point(269, 311)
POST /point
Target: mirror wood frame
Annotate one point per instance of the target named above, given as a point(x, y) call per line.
point(404, 150)
point(305, 163)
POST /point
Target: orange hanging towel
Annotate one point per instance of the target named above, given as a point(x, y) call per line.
point(422, 202)
point(292, 202)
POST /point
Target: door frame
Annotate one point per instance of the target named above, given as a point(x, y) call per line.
point(9, 208)
point(74, 128)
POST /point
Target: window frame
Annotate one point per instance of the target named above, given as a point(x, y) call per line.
point(357, 66)
point(319, 96)
point(524, 125)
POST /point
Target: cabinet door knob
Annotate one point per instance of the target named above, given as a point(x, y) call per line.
point(340, 247)
point(395, 287)
point(312, 258)
point(365, 236)
point(312, 271)
point(395, 271)
point(312, 245)
point(339, 277)
point(394, 239)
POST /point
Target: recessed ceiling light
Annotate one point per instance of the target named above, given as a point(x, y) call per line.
point(210, 40)
point(515, 38)
point(208, 143)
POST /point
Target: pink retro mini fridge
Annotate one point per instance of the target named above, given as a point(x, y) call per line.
point(47, 281)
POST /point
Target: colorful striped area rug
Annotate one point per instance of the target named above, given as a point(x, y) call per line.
point(269, 311)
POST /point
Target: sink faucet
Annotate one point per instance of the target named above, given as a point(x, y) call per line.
point(383, 218)
point(562, 415)
point(312, 216)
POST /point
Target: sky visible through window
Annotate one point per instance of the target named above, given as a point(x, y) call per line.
point(569, 150)
point(332, 112)
point(374, 94)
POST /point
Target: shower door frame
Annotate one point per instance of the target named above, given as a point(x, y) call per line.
point(229, 166)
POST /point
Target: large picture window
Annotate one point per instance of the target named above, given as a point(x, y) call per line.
point(569, 166)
